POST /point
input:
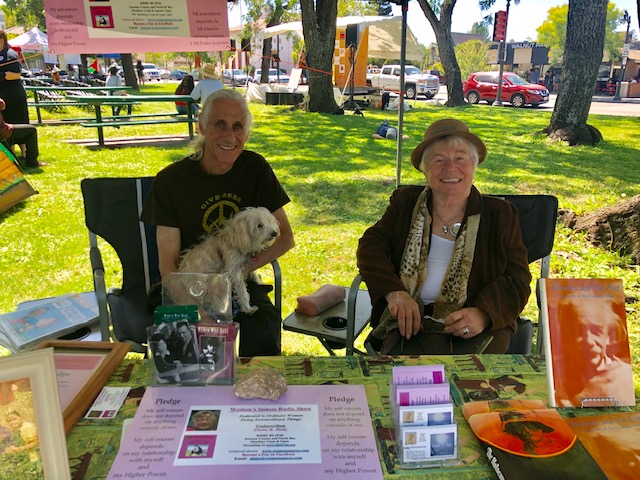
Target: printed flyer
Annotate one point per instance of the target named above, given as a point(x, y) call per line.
point(312, 432)
point(104, 26)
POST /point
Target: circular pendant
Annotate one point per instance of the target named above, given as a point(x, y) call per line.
point(197, 289)
point(455, 229)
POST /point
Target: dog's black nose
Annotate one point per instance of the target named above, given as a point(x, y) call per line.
point(274, 234)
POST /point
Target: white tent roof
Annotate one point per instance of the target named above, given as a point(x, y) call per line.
point(34, 39)
point(384, 35)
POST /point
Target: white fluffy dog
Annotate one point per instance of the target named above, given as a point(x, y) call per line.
point(229, 250)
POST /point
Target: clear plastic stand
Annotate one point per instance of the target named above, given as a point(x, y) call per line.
point(209, 291)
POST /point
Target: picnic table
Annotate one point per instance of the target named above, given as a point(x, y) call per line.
point(60, 97)
point(101, 122)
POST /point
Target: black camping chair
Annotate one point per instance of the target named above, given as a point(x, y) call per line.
point(112, 211)
point(538, 214)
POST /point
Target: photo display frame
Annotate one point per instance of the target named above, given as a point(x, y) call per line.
point(32, 406)
point(193, 353)
point(82, 369)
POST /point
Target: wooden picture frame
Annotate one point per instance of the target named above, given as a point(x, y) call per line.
point(100, 360)
point(29, 387)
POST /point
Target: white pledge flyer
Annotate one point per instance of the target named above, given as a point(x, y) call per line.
point(199, 433)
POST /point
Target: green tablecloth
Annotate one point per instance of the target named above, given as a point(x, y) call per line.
point(93, 444)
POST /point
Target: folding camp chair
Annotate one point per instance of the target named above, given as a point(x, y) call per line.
point(112, 211)
point(538, 215)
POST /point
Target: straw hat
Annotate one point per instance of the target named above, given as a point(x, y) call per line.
point(55, 70)
point(445, 128)
point(208, 70)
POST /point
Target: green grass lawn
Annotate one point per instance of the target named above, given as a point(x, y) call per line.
point(339, 180)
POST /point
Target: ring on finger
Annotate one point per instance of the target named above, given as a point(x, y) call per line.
point(465, 330)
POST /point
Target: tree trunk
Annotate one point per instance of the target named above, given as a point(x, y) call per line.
point(582, 56)
point(130, 77)
point(267, 45)
point(616, 227)
point(266, 60)
point(319, 29)
point(82, 68)
point(442, 29)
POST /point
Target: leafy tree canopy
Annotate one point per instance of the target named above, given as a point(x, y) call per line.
point(25, 13)
point(480, 28)
point(473, 56)
point(553, 31)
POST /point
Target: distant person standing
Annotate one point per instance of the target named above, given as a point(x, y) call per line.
point(556, 82)
point(11, 89)
point(209, 83)
point(140, 72)
point(302, 64)
point(535, 76)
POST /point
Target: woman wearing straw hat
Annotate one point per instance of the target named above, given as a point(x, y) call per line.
point(209, 83)
point(445, 266)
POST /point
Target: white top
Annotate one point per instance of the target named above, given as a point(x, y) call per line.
point(440, 253)
point(113, 81)
point(204, 88)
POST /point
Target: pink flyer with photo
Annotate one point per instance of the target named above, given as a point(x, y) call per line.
point(312, 431)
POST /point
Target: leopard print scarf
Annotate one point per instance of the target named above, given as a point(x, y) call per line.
point(413, 267)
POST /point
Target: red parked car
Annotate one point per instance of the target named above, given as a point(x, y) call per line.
point(516, 90)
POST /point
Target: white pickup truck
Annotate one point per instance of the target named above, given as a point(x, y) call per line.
point(415, 82)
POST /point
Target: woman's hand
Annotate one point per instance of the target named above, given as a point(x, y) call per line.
point(406, 311)
point(467, 322)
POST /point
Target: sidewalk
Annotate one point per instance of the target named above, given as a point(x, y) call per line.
point(609, 99)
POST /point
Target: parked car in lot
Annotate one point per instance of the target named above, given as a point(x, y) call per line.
point(151, 72)
point(441, 76)
point(370, 73)
point(273, 76)
point(415, 82)
point(235, 77)
point(164, 73)
point(515, 90)
point(177, 75)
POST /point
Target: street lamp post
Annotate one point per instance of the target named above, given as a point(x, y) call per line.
point(502, 56)
point(626, 18)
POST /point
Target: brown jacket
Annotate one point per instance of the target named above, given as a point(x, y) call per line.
point(500, 276)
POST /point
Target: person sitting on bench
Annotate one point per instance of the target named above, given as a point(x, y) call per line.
point(19, 134)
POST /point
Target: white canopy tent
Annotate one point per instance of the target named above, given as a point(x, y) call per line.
point(34, 39)
point(385, 35)
point(37, 41)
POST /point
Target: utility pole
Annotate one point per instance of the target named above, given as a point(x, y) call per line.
point(502, 54)
point(625, 54)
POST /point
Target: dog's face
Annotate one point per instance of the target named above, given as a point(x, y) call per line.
point(254, 229)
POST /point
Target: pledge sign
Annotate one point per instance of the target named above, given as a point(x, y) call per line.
point(127, 26)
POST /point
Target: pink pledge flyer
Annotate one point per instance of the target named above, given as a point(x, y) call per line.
point(311, 432)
